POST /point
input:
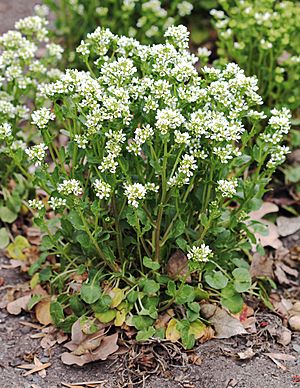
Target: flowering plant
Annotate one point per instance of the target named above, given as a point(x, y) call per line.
point(142, 19)
point(152, 190)
point(258, 35)
point(26, 60)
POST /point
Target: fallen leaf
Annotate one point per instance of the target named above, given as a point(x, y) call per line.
point(287, 225)
point(225, 325)
point(18, 305)
point(266, 208)
point(42, 312)
point(177, 266)
point(280, 356)
point(272, 239)
point(36, 367)
point(208, 334)
point(172, 333)
point(247, 354)
point(261, 266)
point(108, 346)
point(16, 248)
point(164, 319)
point(194, 359)
point(33, 235)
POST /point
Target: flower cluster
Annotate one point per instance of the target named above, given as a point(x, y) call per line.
point(36, 204)
point(200, 254)
point(103, 189)
point(41, 117)
point(37, 153)
point(136, 192)
point(70, 186)
point(258, 36)
point(227, 187)
point(57, 203)
point(145, 20)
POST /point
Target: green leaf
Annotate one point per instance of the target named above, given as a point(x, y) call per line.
point(4, 238)
point(35, 299)
point(57, 313)
point(141, 322)
point(171, 290)
point(216, 279)
point(182, 244)
point(143, 335)
point(242, 274)
point(77, 306)
point(90, 293)
point(6, 215)
point(132, 296)
point(150, 286)
point(76, 220)
point(231, 299)
point(149, 263)
point(186, 294)
point(178, 228)
point(107, 316)
point(187, 338)
point(15, 249)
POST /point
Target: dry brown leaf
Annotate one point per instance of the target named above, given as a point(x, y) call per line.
point(280, 356)
point(272, 239)
point(36, 367)
point(208, 334)
point(266, 208)
point(18, 305)
point(280, 273)
point(261, 266)
point(33, 235)
point(163, 320)
point(177, 266)
point(247, 354)
point(288, 225)
point(42, 312)
point(225, 325)
point(194, 359)
point(108, 346)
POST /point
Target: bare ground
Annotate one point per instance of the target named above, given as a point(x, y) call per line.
point(219, 368)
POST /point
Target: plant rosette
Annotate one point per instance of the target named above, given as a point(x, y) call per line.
point(159, 159)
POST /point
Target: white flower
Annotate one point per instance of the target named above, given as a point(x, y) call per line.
point(57, 203)
point(5, 130)
point(200, 254)
point(41, 117)
point(36, 204)
point(167, 119)
point(55, 50)
point(81, 141)
point(265, 44)
point(203, 52)
point(281, 120)
point(70, 186)
point(178, 35)
point(227, 187)
point(37, 153)
point(135, 192)
point(184, 8)
point(103, 189)
point(278, 156)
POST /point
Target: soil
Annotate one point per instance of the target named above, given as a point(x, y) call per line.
point(13, 10)
point(219, 368)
